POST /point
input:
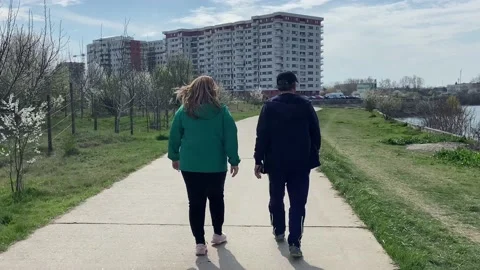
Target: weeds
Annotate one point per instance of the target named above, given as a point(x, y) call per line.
point(461, 157)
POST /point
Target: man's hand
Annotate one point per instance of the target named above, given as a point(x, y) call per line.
point(176, 165)
point(234, 170)
point(258, 171)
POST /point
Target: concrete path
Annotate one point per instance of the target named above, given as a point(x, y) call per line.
point(142, 223)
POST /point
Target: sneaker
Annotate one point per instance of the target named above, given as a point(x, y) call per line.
point(295, 252)
point(219, 239)
point(201, 250)
point(280, 238)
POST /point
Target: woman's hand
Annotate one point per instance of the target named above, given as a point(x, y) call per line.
point(176, 165)
point(234, 170)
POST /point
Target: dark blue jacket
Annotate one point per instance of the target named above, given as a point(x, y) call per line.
point(288, 135)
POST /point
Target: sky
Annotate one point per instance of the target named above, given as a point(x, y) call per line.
point(433, 39)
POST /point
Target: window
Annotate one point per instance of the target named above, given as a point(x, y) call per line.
point(310, 79)
point(310, 73)
point(310, 66)
point(310, 85)
point(294, 59)
point(294, 39)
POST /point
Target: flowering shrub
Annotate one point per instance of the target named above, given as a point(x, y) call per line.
point(20, 133)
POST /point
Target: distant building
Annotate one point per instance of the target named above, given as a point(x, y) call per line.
point(115, 53)
point(243, 55)
point(76, 71)
point(463, 87)
point(363, 88)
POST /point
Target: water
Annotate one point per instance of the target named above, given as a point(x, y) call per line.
point(474, 109)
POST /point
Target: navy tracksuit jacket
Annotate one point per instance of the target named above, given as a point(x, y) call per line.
point(287, 145)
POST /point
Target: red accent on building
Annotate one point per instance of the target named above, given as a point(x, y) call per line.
point(136, 54)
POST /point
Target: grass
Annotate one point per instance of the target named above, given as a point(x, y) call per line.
point(422, 138)
point(425, 212)
point(82, 166)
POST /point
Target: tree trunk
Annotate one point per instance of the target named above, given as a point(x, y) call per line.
point(148, 121)
point(117, 123)
point(167, 119)
point(131, 118)
point(82, 103)
point(49, 125)
point(72, 105)
point(95, 114)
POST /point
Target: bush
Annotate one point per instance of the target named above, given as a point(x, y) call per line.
point(423, 138)
point(70, 146)
point(162, 137)
point(461, 157)
point(389, 106)
point(370, 103)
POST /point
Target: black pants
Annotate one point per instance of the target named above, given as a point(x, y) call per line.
point(201, 186)
point(297, 186)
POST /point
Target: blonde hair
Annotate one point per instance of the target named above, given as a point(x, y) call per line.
point(202, 90)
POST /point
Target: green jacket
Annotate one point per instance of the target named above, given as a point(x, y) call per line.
point(204, 144)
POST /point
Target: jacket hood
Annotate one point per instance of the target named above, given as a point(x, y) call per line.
point(288, 106)
point(208, 111)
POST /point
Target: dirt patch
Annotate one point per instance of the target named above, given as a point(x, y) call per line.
point(435, 147)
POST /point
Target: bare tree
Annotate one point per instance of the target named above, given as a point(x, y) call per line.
point(389, 106)
point(476, 79)
point(28, 61)
point(447, 115)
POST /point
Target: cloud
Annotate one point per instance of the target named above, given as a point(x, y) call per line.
point(29, 3)
point(119, 26)
point(66, 3)
point(224, 11)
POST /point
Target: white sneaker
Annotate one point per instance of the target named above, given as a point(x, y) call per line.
point(219, 239)
point(201, 250)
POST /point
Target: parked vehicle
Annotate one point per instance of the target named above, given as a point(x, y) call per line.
point(335, 96)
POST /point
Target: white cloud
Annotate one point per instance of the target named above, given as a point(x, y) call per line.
point(382, 39)
point(118, 26)
point(66, 3)
point(225, 11)
point(28, 3)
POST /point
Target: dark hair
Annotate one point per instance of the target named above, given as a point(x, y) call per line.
point(286, 81)
point(285, 86)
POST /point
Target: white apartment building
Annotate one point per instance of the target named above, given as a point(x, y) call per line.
point(248, 55)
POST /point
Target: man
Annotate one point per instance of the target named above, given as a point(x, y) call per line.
point(287, 148)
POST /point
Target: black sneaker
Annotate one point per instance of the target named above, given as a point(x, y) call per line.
point(280, 238)
point(295, 252)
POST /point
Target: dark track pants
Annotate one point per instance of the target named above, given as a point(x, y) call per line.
point(201, 186)
point(297, 184)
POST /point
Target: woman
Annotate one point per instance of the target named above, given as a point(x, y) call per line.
point(202, 137)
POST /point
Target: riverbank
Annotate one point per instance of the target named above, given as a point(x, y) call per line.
point(423, 210)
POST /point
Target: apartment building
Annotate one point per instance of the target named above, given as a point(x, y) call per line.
point(247, 55)
point(115, 53)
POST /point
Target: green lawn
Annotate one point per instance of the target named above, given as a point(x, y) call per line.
point(58, 183)
point(424, 211)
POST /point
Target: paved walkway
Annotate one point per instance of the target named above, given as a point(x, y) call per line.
point(142, 223)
